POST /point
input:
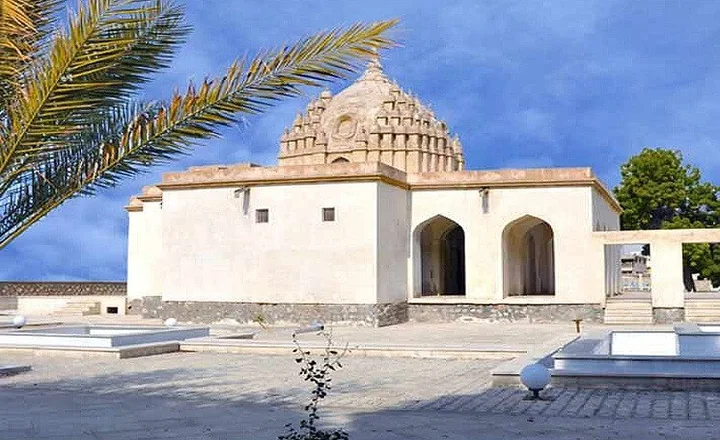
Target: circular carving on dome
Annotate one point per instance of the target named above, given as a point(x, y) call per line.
point(345, 127)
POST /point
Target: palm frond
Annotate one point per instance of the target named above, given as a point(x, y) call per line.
point(127, 139)
point(24, 27)
point(111, 48)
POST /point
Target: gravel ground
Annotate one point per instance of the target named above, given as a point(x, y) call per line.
point(362, 383)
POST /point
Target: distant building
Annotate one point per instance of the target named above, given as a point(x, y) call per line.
point(635, 272)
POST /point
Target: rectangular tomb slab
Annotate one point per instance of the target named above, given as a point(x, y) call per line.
point(641, 358)
point(99, 336)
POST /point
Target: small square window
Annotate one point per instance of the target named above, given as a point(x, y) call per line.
point(328, 214)
point(262, 216)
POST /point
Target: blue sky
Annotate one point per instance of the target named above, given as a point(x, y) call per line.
point(524, 83)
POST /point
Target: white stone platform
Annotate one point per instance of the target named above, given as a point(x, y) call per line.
point(10, 370)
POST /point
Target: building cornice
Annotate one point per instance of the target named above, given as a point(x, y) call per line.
point(285, 181)
point(242, 175)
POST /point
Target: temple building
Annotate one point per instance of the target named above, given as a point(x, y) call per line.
point(371, 216)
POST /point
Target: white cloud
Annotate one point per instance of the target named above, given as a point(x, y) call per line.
point(532, 83)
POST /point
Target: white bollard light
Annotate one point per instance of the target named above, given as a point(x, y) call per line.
point(535, 377)
point(315, 326)
point(171, 322)
point(19, 321)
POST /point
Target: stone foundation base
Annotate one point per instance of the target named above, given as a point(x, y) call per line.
point(505, 312)
point(668, 315)
point(376, 315)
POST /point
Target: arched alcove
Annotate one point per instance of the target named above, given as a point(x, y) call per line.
point(528, 257)
point(440, 257)
point(340, 160)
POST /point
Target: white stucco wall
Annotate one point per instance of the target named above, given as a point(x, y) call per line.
point(605, 218)
point(568, 210)
point(215, 252)
point(203, 245)
point(392, 243)
point(144, 270)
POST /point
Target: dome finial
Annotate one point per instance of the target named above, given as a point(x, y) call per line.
point(374, 70)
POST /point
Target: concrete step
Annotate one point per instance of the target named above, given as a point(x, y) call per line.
point(627, 303)
point(628, 306)
point(78, 309)
point(702, 310)
point(628, 311)
point(628, 322)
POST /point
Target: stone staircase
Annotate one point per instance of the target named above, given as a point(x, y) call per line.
point(701, 307)
point(78, 308)
point(621, 311)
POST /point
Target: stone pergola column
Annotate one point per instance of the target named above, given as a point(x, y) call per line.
point(666, 274)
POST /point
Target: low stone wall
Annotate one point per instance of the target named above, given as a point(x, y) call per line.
point(51, 288)
point(668, 315)
point(8, 303)
point(376, 315)
point(46, 305)
point(505, 312)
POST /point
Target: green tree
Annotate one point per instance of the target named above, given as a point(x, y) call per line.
point(658, 191)
point(69, 120)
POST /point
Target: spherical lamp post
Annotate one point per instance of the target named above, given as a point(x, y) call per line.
point(535, 377)
point(19, 321)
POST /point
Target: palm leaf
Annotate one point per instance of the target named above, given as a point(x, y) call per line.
point(24, 27)
point(111, 47)
point(124, 139)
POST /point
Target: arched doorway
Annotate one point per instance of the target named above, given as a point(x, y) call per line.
point(340, 160)
point(441, 257)
point(528, 257)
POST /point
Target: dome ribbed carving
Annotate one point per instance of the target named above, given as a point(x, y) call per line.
point(372, 120)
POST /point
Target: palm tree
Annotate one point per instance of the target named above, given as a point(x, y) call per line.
point(69, 123)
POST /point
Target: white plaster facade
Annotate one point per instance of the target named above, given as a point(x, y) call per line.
point(195, 236)
point(202, 243)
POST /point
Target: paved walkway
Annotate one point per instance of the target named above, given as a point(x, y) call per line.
point(41, 414)
point(223, 396)
point(226, 396)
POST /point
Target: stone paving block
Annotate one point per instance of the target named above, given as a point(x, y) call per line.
point(509, 401)
point(496, 399)
point(576, 403)
point(560, 402)
point(520, 407)
point(482, 399)
point(627, 405)
point(592, 405)
point(459, 402)
point(473, 390)
point(610, 403)
point(643, 408)
point(679, 405)
point(661, 405)
point(441, 403)
point(713, 407)
point(697, 408)
point(538, 407)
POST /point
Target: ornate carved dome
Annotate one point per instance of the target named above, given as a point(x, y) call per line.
point(372, 120)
